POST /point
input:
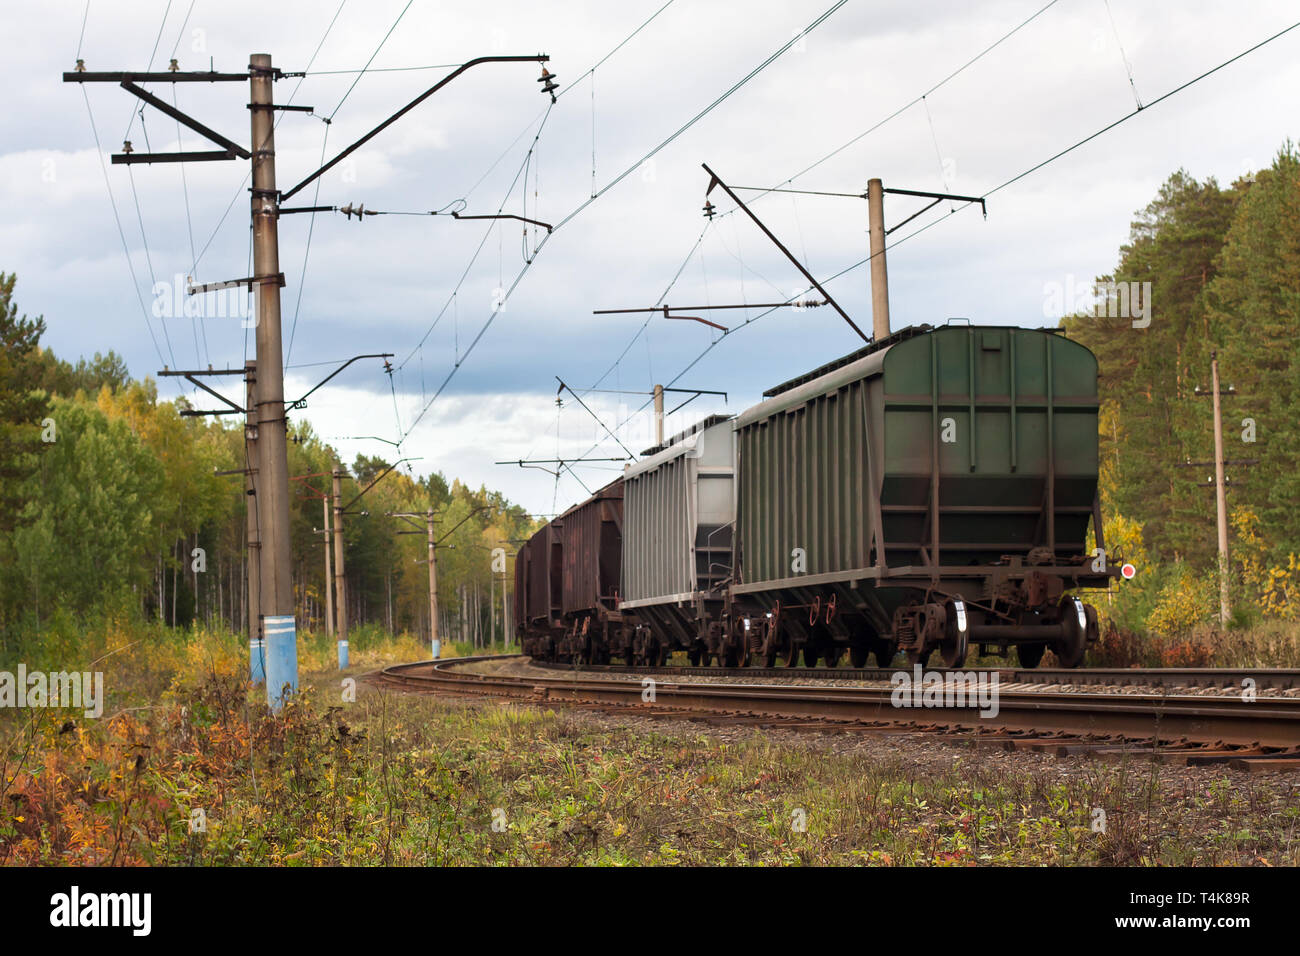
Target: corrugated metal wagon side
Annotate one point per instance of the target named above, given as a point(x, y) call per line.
point(678, 512)
point(537, 592)
point(589, 573)
point(934, 487)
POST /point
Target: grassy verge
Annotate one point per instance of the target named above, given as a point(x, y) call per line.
point(202, 774)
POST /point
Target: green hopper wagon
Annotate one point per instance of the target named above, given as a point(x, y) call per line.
point(932, 491)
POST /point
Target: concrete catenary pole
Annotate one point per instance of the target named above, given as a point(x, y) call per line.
point(340, 582)
point(279, 628)
point(326, 500)
point(659, 415)
point(505, 608)
point(256, 646)
point(879, 274)
point(1220, 494)
point(434, 644)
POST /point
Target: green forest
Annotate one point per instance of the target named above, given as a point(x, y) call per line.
point(106, 489)
point(1223, 263)
point(106, 492)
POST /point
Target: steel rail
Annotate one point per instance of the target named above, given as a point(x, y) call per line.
point(1263, 677)
point(1167, 719)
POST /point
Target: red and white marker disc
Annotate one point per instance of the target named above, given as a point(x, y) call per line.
point(1128, 571)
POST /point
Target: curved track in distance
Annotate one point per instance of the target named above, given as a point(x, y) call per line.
point(1263, 733)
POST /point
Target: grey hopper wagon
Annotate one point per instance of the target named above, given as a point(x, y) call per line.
point(678, 506)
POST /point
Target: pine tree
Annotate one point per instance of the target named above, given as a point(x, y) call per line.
point(1254, 310)
point(22, 405)
point(1147, 375)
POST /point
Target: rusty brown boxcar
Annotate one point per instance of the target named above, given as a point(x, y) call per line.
point(592, 535)
point(569, 580)
point(537, 591)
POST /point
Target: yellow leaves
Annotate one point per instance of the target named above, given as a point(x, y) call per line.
point(1123, 539)
point(1187, 601)
point(1245, 523)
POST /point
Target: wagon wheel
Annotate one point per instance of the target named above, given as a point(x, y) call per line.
point(858, 655)
point(956, 634)
point(1070, 651)
point(693, 655)
point(953, 654)
point(832, 655)
point(729, 658)
point(810, 655)
point(919, 657)
point(885, 651)
point(769, 658)
point(1030, 654)
point(791, 655)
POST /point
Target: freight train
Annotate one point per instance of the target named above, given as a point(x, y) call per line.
point(931, 492)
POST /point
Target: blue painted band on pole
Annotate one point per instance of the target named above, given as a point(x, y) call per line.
point(343, 655)
point(256, 660)
point(281, 639)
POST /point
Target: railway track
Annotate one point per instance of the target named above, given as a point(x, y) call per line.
point(1189, 677)
point(1263, 734)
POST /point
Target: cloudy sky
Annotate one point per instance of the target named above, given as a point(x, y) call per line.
point(475, 379)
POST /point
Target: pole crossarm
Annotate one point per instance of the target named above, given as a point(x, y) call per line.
point(180, 76)
point(698, 393)
point(189, 156)
point(192, 377)
point(714, 180)
point(376, 481)
point(553, 461)
point(406, 516)
point(505, 215)
point(537, 58)
point(302, 402)
point(665, 309)
point(164, 107)
point(195, 289)
point(627, 391)
point(807, 304)
point(479, 510)
point(312, 492)
point(386, 441)
point(229, 148)
point(937, 197)
point(563, 386)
